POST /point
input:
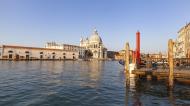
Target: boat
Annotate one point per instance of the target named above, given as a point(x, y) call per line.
point(122, 62)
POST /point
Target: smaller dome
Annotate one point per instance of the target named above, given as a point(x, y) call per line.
point(95, 37)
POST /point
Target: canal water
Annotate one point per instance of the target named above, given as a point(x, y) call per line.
point(81, 83)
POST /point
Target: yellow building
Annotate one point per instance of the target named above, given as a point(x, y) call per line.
point(120, 55)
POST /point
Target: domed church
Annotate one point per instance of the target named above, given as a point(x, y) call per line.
point(95, 45)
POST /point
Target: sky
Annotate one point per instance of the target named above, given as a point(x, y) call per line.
point(35, 22)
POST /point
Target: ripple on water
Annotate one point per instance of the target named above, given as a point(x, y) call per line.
point(84, 83)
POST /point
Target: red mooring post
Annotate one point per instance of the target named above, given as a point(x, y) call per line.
point(138, 48)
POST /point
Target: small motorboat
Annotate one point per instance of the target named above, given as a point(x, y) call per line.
point(122, 62)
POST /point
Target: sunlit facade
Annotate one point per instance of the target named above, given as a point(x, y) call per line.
point(66, 47)
point(53, 50)
point(95, 44)
point(182, 44)
point(9, 52)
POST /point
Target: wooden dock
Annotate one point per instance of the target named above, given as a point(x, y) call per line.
point(182, 76)
point(169, 69)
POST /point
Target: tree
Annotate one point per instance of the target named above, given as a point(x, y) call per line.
point(88, 54)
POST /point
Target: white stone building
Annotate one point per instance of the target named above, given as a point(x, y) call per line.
point(54, 50)
point(9, 52)
point(67, 47)
point(182, 43)
point(95, 44)
point(179, 47)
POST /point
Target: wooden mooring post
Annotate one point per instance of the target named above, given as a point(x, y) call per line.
point(171, 63)
point(127, 57)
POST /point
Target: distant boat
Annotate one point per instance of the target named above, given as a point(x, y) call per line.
point(122, 62)
point(132, 66)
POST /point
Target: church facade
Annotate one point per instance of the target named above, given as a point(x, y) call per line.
point(95, 45)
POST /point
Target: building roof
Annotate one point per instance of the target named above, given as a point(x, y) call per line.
point(56, 44)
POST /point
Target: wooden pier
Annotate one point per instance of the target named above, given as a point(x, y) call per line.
point(182, 76)
point(168, 69)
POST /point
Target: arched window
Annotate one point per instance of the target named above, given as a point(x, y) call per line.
point(26, 51)
point(10, 51)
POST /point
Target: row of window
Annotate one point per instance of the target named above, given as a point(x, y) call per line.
point(94, 46)
point(10, 56)
point(40, 52)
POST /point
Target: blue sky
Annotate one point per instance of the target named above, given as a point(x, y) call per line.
point(34, 22)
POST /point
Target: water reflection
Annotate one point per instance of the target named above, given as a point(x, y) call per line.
point(148, 93)
point(94, 73)
point(132, 94)
point(61, 83)
point(81, 83)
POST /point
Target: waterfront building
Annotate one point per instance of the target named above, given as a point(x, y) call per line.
point(67, 47)
point(54, 45)
point(156, 55)
point(182, 43)
point(34, 53)
point(95, 45)
point(175, 49)
point(111, 54)
point(121, 55)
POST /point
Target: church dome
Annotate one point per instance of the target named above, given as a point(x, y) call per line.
point(95, 37)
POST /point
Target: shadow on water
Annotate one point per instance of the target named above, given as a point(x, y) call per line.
point(155, 93)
